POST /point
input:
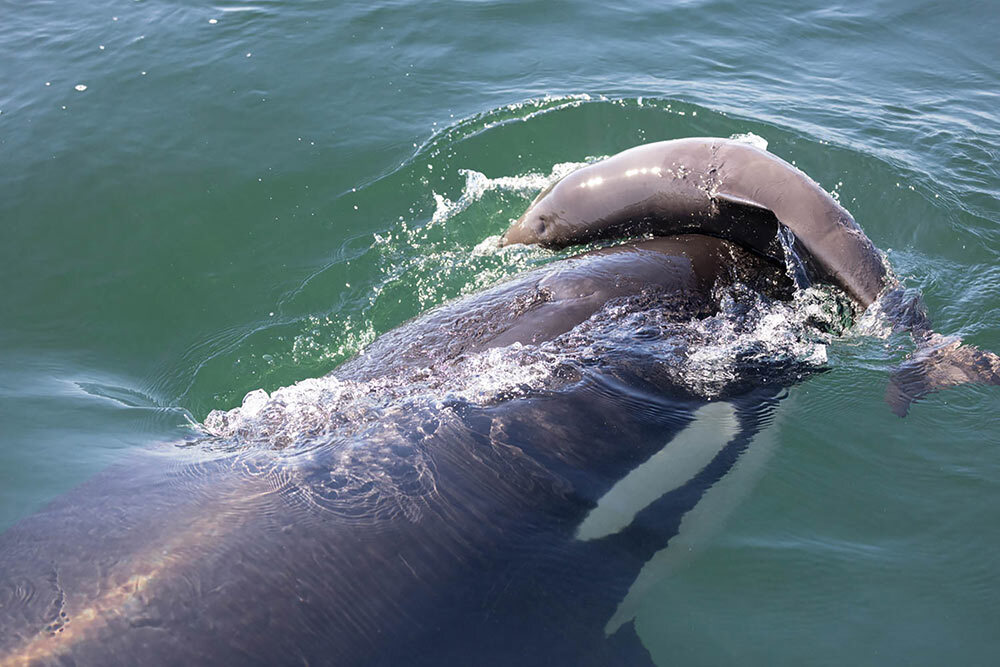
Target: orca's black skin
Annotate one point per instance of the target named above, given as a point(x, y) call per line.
point(464, 553)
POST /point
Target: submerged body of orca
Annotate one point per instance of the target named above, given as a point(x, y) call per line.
point(402, 516)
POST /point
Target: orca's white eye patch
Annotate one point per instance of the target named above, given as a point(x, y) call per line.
point(713, 426)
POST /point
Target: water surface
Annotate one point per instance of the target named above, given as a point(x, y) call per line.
point(200, 201)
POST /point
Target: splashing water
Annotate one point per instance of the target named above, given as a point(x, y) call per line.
point(477, 184)
point(750, 138)
point(749, 338)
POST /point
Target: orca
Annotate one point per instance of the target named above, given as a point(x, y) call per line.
point(446, 531)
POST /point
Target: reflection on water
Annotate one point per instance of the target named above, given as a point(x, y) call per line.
point(197, 225)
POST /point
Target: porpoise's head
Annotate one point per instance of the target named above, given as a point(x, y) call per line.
point(539, 224)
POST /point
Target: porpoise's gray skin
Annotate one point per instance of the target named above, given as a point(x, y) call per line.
point(720, 187)
point(460, 548)
point(736, 191)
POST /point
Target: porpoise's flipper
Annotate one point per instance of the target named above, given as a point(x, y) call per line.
point(939, 362)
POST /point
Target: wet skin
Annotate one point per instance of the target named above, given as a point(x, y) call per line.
point(709, 186)
point(462, 549)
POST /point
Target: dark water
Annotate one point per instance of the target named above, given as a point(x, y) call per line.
point(244, 195)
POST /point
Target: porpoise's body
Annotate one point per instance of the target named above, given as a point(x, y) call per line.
point(721, 187)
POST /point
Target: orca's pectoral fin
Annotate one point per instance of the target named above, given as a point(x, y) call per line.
point(939, 362)
point(625, 647)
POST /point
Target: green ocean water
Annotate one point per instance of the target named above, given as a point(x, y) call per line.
point(197, 201)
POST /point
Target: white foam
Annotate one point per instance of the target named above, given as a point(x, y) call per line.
point(750, 138)
point(478, 184)
point(749, 337)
